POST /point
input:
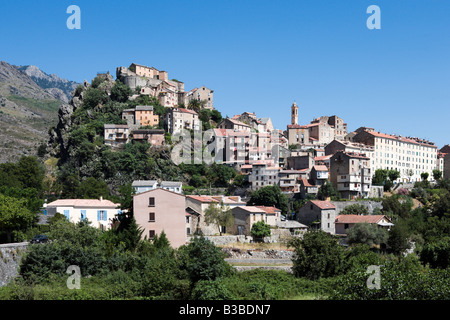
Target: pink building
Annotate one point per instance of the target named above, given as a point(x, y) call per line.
point(159, 209)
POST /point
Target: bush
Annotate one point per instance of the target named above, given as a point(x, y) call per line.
point(317, 255)
point(437, 254)
point(202, 260)
point(211, 290)
point(260, 230)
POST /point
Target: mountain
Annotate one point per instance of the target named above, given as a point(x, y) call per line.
point(56, 86)
point(27, 110)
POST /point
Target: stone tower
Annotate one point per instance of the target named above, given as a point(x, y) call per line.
point(294, 113)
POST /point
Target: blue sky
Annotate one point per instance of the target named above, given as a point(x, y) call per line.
point(259, 56)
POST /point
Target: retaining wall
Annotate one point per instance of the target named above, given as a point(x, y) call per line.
point(10, 256)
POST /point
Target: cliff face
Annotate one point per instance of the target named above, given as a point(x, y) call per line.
point(26, 113)
point(57, 145)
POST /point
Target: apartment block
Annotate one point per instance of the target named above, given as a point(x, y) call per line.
point(408, 155)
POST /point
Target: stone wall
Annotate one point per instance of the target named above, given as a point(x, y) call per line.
point(277, 235)
point(10, 256)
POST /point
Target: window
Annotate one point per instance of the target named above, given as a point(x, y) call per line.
point(83, 215)
point(101, 215)
point(151, 234)
point(187, 219)
point(151, 217)
point(346, 226)
point(151, 202)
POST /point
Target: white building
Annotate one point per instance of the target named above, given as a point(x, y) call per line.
point(410, 156)
point(98, 212)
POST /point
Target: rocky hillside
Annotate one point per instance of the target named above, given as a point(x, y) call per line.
point(56, 86)
point(27, 111)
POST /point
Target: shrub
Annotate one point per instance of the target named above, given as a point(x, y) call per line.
point(317, 255)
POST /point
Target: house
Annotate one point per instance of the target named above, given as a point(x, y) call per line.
point(307, 189)
point(174, 186)
point(263, 175)
point(196, 206)
point(288, 180)
point(177, 119)
point(245, 217)
point(273, 215)
point(98, 212)
point(144, 185)
point(305, 161)
point(230, 146)
point(202, 94)
point(350, 174)
point(294, 227)
point(160, 210)
point(116, 134)
point(318, 175)
point(234, 125)
point(155, 137)
point(345, 222)
point(318, 215)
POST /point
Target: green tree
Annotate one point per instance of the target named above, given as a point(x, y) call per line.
point(14, 215)
point(92, 188)
point(202, 260)
point(120, 92)
point(398, 240)
point(393, 175)
point(269, 196)
point(356, 208)
point(219, 215)
point(424, 176)
point(437, 174)
point(317, 255)
point(260, 230)
point(437, 254)
point(366, 233)
point(327, 190)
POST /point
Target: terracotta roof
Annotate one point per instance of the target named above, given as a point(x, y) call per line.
point(83, 203)
point(269, 210)
point(322, 158)
point(253, 209)
point(354, 218)
point(402, 139)
point(306, 183)
point(296, 126)
point(323, 204)
point(186, 110)
point(320, 167)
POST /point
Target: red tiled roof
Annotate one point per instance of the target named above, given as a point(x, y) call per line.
point(187, 111)
point(306, 182)
point(354, 218)
point(322, 158)
point(323, 204)
point(320, 168)
point(269, 210)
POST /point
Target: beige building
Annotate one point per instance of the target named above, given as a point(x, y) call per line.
point(116, 134)
point(99, 212)
point(197, 205)
point(160, 210)
point(177, 119)
point(148, 72)
point(410, 156)
point(201, 94)
point(246, 216)
point(234, 125)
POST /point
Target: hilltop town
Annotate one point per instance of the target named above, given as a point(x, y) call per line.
point(301, 160)
point(149, 190)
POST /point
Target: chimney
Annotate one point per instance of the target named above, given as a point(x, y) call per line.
point(101, 198)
